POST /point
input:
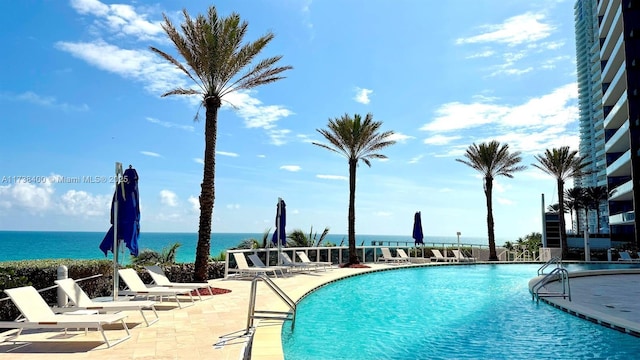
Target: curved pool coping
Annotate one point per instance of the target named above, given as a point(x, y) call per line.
point(589, 313)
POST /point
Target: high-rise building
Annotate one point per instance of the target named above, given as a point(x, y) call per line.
point(618, 45)
point(592, 132)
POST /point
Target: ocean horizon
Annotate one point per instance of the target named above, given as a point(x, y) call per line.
point(33, 245)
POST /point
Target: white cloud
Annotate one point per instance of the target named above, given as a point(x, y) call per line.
point(120, 19)
point(482, 54)
point(254, 113)
point(415, 159)
point(33, 197)
point(168, 197)
point(332, 177)
point(195, 203)
point(292, 168)
point(278, 136)
point(400, 137)
point(440, 139)
point(199, 160)
point(233, 206)
point(82, 203)
point(225, 153)
point(150, 153)
point(362, 95)
point(518, 29)
point(41, 100)
point(157, 75)
point(170, 124)
point(539, 123)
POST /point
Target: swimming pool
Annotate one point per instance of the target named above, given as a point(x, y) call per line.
point(445, 312)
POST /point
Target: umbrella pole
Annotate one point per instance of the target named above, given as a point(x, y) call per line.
point(116, 279)
point(278, 225)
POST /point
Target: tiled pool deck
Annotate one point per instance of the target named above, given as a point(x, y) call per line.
point(197, 332)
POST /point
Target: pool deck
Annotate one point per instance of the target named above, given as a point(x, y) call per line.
point(214, 328)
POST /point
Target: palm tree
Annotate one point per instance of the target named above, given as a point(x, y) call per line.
point(491, 160)
point(562, 164)
point(595, 195)
point(357, 140)
point(574, 199)
point(213, 50)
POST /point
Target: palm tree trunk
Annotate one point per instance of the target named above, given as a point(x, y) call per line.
point(577, 220)
point(563, 232)
point(353, 255)
point(488, 191)
point(207, 195)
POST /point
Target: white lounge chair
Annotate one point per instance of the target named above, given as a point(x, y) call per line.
point(259, 264)
point(305, 259)
point(387, 257)
point(625, 256)
point(161, 279)
point(403, 256)
point(286, 261)
point(245, 269)
point(136, 287)
point(38, 315)
point(82, 301)
point(460, 257)
point(437, 256)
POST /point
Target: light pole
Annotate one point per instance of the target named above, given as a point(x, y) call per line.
point(459, 233)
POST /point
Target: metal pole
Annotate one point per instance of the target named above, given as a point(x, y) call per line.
point(587, 249)
point(459, 254)
point(116, 278)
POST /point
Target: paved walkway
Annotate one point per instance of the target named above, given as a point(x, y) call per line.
point(214, 328)
point(610, 300)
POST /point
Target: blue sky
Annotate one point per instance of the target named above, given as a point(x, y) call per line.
point(79, 90)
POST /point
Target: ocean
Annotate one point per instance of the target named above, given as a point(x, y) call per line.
point(30, 245)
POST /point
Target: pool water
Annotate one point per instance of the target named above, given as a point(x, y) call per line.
point(445, 312)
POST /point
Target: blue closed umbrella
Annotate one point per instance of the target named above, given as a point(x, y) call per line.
point(418, 236)
point(128, 220)
point(281, 222)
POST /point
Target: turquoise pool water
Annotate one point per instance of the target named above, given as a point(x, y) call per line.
point(445, 312)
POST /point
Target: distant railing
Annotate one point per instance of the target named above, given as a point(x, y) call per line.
point(366, 253)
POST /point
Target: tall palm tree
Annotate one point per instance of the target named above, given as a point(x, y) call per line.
point(358, 140)
point(215, 54)
point(595, 195)
point(491, 160)
point(574, 199)
point(561, 163)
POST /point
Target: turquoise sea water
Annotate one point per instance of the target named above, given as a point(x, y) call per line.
point(445, 312)
point(24, 245)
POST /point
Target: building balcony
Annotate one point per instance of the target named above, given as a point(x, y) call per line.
point(611, 34)
point(616, 88)
point(615, 58)
point(623, 192)
point(626, 218)
point(620, 167)
point(618, 115)
point(619, 142)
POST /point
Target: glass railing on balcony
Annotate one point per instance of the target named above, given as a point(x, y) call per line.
point(623, 218)
point(616, 88)
point(608, 30)
point(620, 140)
point(622, 192)
point(614, 117)
point(622, 165)
point(612, 43)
